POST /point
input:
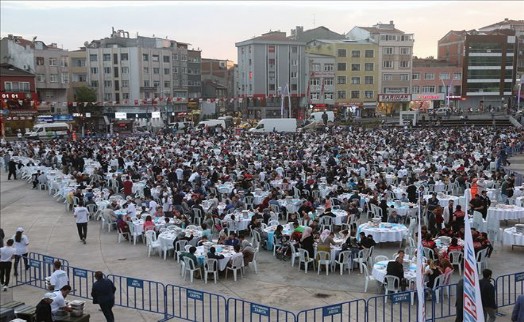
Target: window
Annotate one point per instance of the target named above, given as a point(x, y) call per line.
point(270, 49)
point(156, 70)
point(293, 74)
point(355, 94)
point(271, 61)
point(40, 78)
point(125, 95)
point(341, 53)
point(355, 67)
point(328, 96)
point(328, 81)
point(145, 57)
point(64, 78)
point(125, 70)
point(125, 83)
point(294, 49)
point(167, 84)
point(175, 70)
point(108, 97)
point(387, 77)
point(387, 50)
point(294, 62)
point(166, 59)
point(107, 83)
point(429, 76)
point(428, 89)
point(40, 61)
point(117, 85)
point(415, 89)
point(107, 70)
point(294, 87)
point(8, 86)
point(355, 53)
point(155, 58)
point(115, 59)
point(63, 61)
point(341, 95)
point(315, 67)
point(53, 78)
point(405, 50)
point(106, 57)
point(369, 94)
point(404, 64)
point(369, 53)
point(368, 67)
point(404, 77)
point(25, 87)
point(355, 80)
point(315, 96)
point(341, 66)
point(272, 87)
point(94, 83)
point(93, 57)
point(166, 71)
point(147, 83)
point(415, 76)
point(314, 81)
point(250, 62)
point(457, 76)
point(156, 84)
point(124, 56)
point(115, 71)
point(443, 76)
point(341, 80)
point(368, 80)
point(52, 62)
point(94, 70)
point(387, 64)
point(329, 67)
point(146, 70)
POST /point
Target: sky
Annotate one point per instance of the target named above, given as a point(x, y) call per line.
point(215, 26)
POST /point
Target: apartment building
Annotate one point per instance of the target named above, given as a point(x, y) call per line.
point(351, 80)
point(218, 83)
point(268, 66)
point(395, 54)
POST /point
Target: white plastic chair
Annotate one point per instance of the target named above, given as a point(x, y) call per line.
point(455, 258)
point(304, 258)
point(482, 260)
point(439, 281)
point(294, 254)
point(236, 265)
point(380, 258)
point(180, 246)
point(323, 258)
point(211, 267)
point(165, 245)
point(326, 222)
point(254, 262)
point(122, 234)
point(273, 223)
point(368, 278)
point(190, 267)
point(429, 253)
point(391, 284)
point(343, 261)
point(363, 257)
point(151, 242)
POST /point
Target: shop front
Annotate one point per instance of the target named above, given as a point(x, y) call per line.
point(393, 104)
point(19, 112)
point(426, 102)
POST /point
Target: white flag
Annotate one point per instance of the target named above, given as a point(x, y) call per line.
point(421, 312)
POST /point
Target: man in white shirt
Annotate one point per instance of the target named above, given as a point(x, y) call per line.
point(7, 253)
point(59, 277)
point(82, 217)
point(59, 301)
point(131, 209)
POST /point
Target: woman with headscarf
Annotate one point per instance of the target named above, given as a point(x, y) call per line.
point(307, 241)
point(326, 240)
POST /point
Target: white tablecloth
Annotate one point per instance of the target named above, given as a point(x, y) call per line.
point(381, 234)
point(506, 212)
point(227, 251)
point(380, 271)
point(444, 200)
point(511, 237)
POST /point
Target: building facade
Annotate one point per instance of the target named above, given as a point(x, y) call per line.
point(270, 66)
point(451, 47)
point(218, 83)
point(395, 54)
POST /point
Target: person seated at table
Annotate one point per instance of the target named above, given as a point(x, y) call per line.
point(396, 268)
point(352, 245)
point(431, 272)
point(445, 266)
point(232, 240)
point(393, 217)
point(237, 253)
point(191, 254)
point(212, 254)
point(328, 213)
point(457, 220)
point(315, 226)
point(158, 212)
point(89, 194)
point(446, 231)
point(184, 221)
point(293, 217)
point(307, 241)
point(428, 242)
point(485, 243)
point(454, 246)
point(204, 239)
point(149, 224)
point(404, 198)
point(326, 240)
point(248, 252)
point(206, 231)
point(182, 236)
point(223, 236)
point(369, 242)
point(306, 207)
point(122, 226)
point(89, 201)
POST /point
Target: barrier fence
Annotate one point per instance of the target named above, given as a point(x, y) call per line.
point(181, 303)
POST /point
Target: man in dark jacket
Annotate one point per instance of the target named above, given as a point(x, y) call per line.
point(487, 293)
point(103, 293)
point(43, 308)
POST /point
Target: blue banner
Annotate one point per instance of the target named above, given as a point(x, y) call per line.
point(63, 117)
point(195, 295)
point(259, 309)
point(332, 310)
point(80, 272)
point(401, 297)
point(133, 282)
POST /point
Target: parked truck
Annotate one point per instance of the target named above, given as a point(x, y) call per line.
point(275, 125)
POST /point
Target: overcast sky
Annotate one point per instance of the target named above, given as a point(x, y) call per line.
point(215, 26)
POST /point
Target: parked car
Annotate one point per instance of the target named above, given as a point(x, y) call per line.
point(443, 111)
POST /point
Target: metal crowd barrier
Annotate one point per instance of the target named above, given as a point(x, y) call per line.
point(181, 303)
point(346, 311)
point(194, 305)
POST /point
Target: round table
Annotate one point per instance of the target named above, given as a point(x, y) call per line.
point(511, 237)
point(380, 270)
point(384, 232)
point(443, 200)
point(505, 212)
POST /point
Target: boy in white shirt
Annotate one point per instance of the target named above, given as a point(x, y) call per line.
point(7, 253)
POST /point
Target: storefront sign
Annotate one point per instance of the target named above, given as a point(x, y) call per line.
point(428, 97)
point(120, 115)
point(386, 98)
point(323, 74)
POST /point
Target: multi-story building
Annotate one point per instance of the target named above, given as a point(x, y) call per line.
point(490, 68)
point(218, 83)
point(48, 62)
point(395, 64)
point(18, 99)
point(451, 47)
point(268, 66)
point(436, 83)
point(518, 27)
point(350, 80)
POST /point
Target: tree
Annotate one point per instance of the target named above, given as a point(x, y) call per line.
point(85, 94)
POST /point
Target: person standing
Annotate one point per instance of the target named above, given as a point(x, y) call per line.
point(103, 293)
point(487, 293)
point(82, 217)
point(59, 277)
point(20, 244)
point(7, 254)
point(2, 236)
point(12, 169)
point(459, 303)
point(43, 308)
point(518, 310)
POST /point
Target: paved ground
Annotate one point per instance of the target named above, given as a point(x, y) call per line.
point(52, 231)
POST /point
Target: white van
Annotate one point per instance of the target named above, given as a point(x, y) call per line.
point(275, 125)
point(211, 123)
point(316, 117)
point(228, 119)
point(48, 130)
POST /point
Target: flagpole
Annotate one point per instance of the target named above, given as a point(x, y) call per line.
point(289, 100)
point(281, 102)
